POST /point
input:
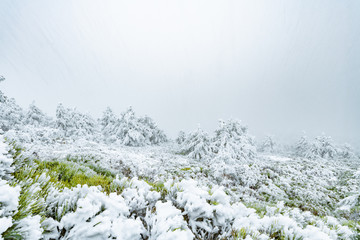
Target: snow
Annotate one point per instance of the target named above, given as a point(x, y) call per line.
point(9, 196)
point(168, 223)
point(279, 158)
point(203, 187)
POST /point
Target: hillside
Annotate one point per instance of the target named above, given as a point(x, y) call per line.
point(121, 177)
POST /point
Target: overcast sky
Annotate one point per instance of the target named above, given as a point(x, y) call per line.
point(282, 67)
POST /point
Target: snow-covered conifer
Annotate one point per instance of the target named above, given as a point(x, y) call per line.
point(153, 133)
point(108, 118)
point(11, 114)
point(131, 130)
point(197, 144)
point(321, 147)
point(232, 139)
point(2, 97)
point(74, 123)
point(34, 116)
point(181, 137)
point(268, 144)
point(108, 123)
point(302, 146)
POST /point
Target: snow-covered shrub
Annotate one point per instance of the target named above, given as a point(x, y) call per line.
point(31, 134)
point(197, 145)
point(131, 130)
point(208, 210)
point(232, 139)
point(181, 137)
point(349, 207)
point(5, 161)
point(28, 228)
point(34, 116)
point(138, 196)
point(167, 222)
point(9, 197)
point(73, 123)
point(87, 213)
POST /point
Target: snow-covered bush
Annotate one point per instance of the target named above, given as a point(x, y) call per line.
point(9, 195)
point(73, 123)
point(349, 207)
point(5, 161)
point(167, 222)
point(31, 134)
point(131, 130)
point(138, 196)
point(232, 139)
point(208, 210)
point(197, 145)
point(87, 213)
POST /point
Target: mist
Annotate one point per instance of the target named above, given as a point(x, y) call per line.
point(282, 67)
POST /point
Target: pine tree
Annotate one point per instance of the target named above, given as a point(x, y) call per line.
point(197, 145)
point(108, 123)
point(2, 97)
point(268, 145)
point(323, 147)
point(346, 151)
point(130, 130)
point(302, 146)
point(232, 139)
point(36, 117)
point(181, 137)
point(73, 123)
point(11, 114)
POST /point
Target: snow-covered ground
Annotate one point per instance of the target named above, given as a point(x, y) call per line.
point(121, 178)
point(269, 196)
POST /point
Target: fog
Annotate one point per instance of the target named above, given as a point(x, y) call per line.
point(282, 67)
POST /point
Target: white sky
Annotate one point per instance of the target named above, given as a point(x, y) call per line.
point(282, 67)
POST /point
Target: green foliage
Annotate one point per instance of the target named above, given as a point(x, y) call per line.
point(71, 174)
